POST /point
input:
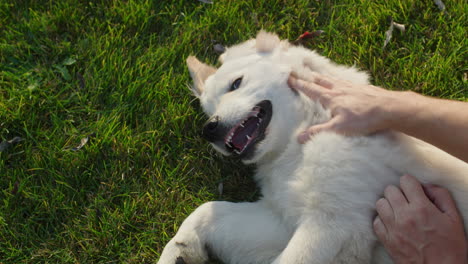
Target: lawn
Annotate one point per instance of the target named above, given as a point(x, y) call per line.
point(111, 75)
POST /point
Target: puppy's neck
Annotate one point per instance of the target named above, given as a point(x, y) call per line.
point(286, 160)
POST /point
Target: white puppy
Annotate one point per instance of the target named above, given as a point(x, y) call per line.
point(318, 199)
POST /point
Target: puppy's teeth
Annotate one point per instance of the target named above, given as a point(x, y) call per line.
point(242, 125)
point(259, 119)
point(248, 138)
point(236, 151)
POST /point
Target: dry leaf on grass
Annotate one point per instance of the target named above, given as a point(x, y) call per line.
point(8, 143)
point(83, 142)
point(440, 4)
point(398, 26)
point(218, 48)
point(389, 32)
point(307, 36)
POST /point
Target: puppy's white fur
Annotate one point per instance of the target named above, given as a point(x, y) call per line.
point(319, 198)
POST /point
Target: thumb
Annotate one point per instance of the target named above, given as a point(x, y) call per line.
point(442, 200)
point(305, 135)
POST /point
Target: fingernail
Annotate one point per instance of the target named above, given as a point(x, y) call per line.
point(303, 137)
point(405, 177)
point(293, 74)
point(376, 220)
point(292, 81)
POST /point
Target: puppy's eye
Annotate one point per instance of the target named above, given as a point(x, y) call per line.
point(236, 84)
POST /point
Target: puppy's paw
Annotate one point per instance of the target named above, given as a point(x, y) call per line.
point(178, 252)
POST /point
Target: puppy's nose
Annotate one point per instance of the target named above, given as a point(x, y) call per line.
point(210, 130)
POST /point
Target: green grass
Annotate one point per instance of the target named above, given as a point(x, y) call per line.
point(116, 69)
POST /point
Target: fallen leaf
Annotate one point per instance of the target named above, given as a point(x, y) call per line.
point(398, 26)
point(33, 86)
point(206, 1)
point(8, 143)
point(440, 4)
point(69, 61)
point(388, 35)
point(306, 36)
point(83, 142)
point(218, 48)
point(389, 32)
point(63, 71)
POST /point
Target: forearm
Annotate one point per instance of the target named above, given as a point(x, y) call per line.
point(442, 123)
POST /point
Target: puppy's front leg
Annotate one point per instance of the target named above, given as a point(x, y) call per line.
point(188, 245)
point(316, 241)
point(235, 233)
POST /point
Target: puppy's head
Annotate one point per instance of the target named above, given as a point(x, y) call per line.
point(252, 112)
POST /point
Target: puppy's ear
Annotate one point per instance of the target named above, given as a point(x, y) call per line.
point(199, 72)
point(222, 57)
point(266, 42)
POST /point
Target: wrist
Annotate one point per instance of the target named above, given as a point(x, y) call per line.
point(393, 109)
point(404, 110)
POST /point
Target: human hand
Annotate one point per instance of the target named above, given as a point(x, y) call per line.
point(415, 228)
point(355, 109)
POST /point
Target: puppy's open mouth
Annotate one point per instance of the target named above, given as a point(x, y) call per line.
point(242, 138)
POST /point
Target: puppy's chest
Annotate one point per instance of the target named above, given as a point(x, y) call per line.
point(313, 188)
point(296, 196)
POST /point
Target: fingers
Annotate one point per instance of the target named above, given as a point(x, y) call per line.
point(328, 126)
point(380, 229)
point(443, 200)
point(316, 78)
point(385, 211)
point(395, 197)
point(412, 189)
point(388, 209)
point(313, 88)
point(323, 81)
point(303, 137)
point(310, 89)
